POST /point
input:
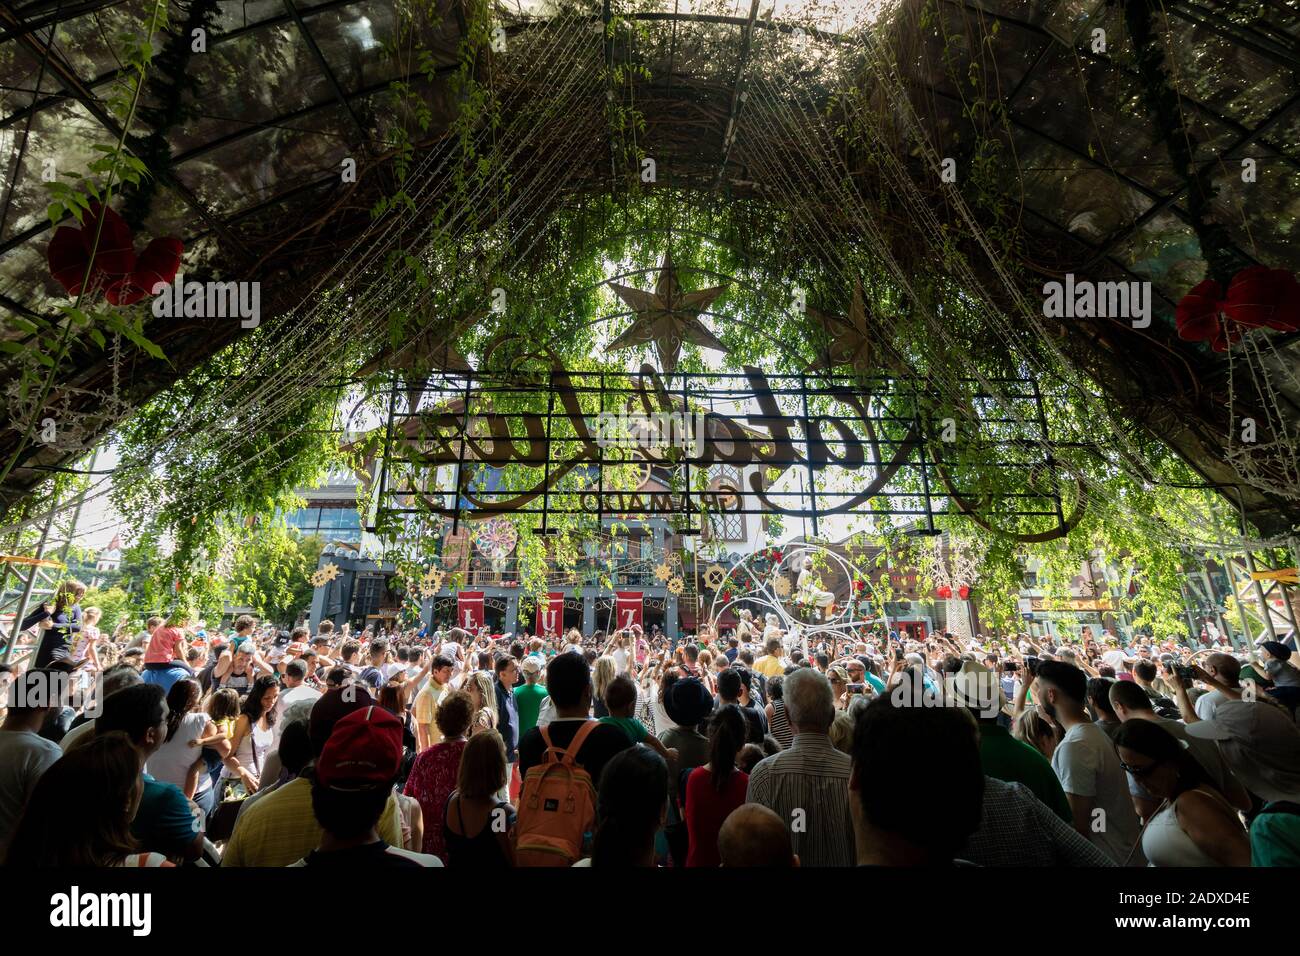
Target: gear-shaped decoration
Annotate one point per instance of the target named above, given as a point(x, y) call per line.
point(331, 571)
point(663, 572)
point(781, 586)
point(318, 578)
point(714, 576)
point(432, 582)
point(675, 585)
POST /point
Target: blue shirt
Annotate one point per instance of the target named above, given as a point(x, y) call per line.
point(165, 821)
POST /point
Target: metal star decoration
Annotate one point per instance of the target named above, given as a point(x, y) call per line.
point(668, 317)
point(850, 338)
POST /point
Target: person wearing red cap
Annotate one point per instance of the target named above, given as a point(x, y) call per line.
point(353, 781)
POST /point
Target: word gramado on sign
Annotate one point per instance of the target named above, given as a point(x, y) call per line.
point(724, 442)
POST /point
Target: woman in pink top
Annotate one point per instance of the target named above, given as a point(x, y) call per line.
point(167, 643)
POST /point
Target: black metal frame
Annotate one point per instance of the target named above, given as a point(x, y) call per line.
point(892, 445)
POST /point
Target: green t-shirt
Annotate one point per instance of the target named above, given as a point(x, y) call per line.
point(631, 726)
point(528, 698)
point(1275, 839)
point(1005, 758)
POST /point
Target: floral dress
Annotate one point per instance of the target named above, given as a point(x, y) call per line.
point(432, 779)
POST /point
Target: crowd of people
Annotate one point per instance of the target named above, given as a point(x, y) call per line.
point(736, 748)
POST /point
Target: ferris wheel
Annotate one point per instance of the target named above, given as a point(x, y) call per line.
point(773, 588)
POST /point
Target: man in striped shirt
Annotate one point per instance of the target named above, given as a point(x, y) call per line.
point(807, 786)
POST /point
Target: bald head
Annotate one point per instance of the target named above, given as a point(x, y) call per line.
point(755, 836)
point(1225, 667)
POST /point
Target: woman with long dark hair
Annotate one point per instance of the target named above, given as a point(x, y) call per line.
point(253, 735)
point(180, 759)
point(62, 828)
point(631, 805)
point(713, 791)
point(1194, 825)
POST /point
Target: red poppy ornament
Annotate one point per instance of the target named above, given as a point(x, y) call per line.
point(963, 592)
point(944, 592)
point(1260, 297)
point(116, 270)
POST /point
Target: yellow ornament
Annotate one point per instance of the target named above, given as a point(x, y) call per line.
point(781, 585)
point(714, 576)
point(663, 572)
point(675, 585)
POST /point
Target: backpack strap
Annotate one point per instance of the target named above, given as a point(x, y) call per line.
point(585, 731)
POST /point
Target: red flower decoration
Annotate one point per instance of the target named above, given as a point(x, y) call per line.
point(944, 592)
point(1197, 314)
point(1260, 297)
point(776, 556)
point(124, 278)
point(963, 592)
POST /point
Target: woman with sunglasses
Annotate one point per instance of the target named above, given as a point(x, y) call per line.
point(1194, 825)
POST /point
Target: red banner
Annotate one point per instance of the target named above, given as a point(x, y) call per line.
point(550, 616)
point(628, 610)
point(469, 610)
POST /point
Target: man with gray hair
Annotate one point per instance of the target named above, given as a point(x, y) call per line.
point(807, 786)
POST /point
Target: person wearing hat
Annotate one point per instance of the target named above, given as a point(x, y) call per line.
point(351, 788)
point(1276, 661)
point(1261, 745)
point(282, 828)
point(530, 694)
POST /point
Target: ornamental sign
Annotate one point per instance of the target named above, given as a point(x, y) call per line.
point(629, 444)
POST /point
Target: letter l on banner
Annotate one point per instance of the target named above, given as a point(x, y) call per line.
point(469, 610)
point(629, 608)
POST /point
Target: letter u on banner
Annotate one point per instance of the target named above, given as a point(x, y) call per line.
point(550, 616)
point(469, 610)
point(628, 607)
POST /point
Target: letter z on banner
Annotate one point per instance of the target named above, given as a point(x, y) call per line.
point(469, 610)
point(550, 616)
point(629, 608)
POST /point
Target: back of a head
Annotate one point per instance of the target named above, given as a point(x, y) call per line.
point(132, 710)
point(1225, 665)
point(295, 746)
point(630, 803)
point(61, 827)
point(1145, 670)
point(728, 683)
point(567, 677)
point(1066, 678)
point(932, 795)
point(809, 701)
point(754, 836)
point(482, 765)
point(620, 695)
point(1129, 695)
point(1099, 696)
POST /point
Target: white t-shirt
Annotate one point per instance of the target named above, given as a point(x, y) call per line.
point(172, 761)
point(286, 699)
point(1115, 659)
point(1087, 766)
point(1208, 703)
point(24, 756)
